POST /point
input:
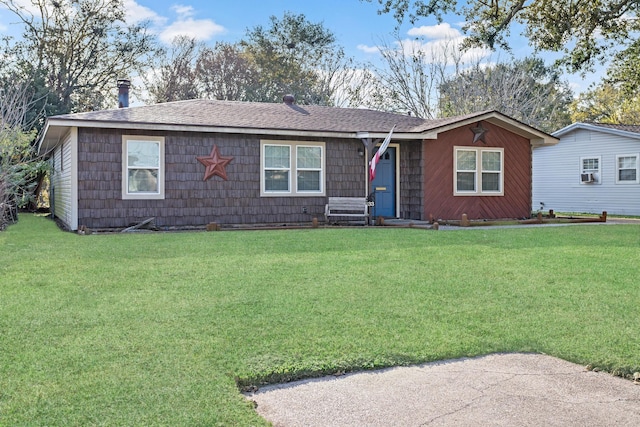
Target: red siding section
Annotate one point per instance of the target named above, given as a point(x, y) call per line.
point(439, 200)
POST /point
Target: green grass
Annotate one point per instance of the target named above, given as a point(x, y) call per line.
point(159, 329)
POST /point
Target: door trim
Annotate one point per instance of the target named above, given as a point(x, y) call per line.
point(397, 178)
point(397, 183)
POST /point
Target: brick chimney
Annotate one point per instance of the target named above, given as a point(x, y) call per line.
point(123, 92)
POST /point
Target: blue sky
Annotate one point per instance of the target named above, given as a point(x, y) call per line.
point(357, 25)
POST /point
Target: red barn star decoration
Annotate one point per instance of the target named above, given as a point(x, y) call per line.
point(479, 133)
point(215, 164)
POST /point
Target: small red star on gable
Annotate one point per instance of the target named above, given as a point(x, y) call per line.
point(215, 164)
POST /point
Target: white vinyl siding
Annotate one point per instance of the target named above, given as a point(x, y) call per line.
point(63, 181)
point(557, 168)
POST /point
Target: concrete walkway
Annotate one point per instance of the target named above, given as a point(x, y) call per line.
point(494, 390)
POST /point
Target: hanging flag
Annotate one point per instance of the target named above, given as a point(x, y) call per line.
point(380, 152)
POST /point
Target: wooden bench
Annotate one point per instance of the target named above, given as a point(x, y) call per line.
point(347, 206)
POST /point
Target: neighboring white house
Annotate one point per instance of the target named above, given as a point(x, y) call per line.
point(593, 168)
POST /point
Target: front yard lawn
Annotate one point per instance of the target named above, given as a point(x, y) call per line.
point(160, 329)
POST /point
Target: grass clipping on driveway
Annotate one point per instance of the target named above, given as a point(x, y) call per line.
point(160, 329)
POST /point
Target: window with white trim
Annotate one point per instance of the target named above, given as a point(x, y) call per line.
point(627, 169)
point(291, 168)
point(590, 169)
point(478, 171)
point(142, 167)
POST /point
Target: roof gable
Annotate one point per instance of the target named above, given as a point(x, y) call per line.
point(629, 131)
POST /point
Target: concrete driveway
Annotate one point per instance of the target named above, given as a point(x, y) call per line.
point(493, 390)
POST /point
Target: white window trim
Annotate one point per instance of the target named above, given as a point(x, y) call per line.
point(293, 168)
point(478, 171)
point(125, 175)
point(626, 182)
point(596, 175)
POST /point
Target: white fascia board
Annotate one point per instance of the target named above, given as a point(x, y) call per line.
point(51, 136)
point(63, 123)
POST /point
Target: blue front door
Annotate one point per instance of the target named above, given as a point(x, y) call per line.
point(384, 185)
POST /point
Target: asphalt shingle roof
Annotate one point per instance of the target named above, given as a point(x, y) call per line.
point(626, 128)
point(270, 118)
point(256, 115)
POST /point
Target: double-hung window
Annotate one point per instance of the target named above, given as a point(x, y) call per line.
point(142, 167)
point(292, 168)
point(309, 168)
point(478, 171)
point(627, 169)
point(277, 168)
point(590, 169)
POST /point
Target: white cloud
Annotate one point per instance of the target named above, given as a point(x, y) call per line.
point(439, 44)
point(183, 25)
point(136, 13)
point(443, 50)
point(186, 25)
point(200, 29)
point(25, 5)
point(183, 11)
point(367, 49)
point(440, 31)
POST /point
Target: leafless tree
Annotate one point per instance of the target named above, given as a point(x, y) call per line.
point(172, 76)
point(408, 81)
point(225, 72)
point(524, 89)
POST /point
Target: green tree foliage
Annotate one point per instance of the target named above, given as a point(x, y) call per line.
point(524, 89)
point(624, 72)
point(20, 169)
point(585, 31)
point(289, 57)
point(76, 49)
point(606, 103)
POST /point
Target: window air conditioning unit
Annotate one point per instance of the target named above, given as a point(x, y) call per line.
point(587, 177)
